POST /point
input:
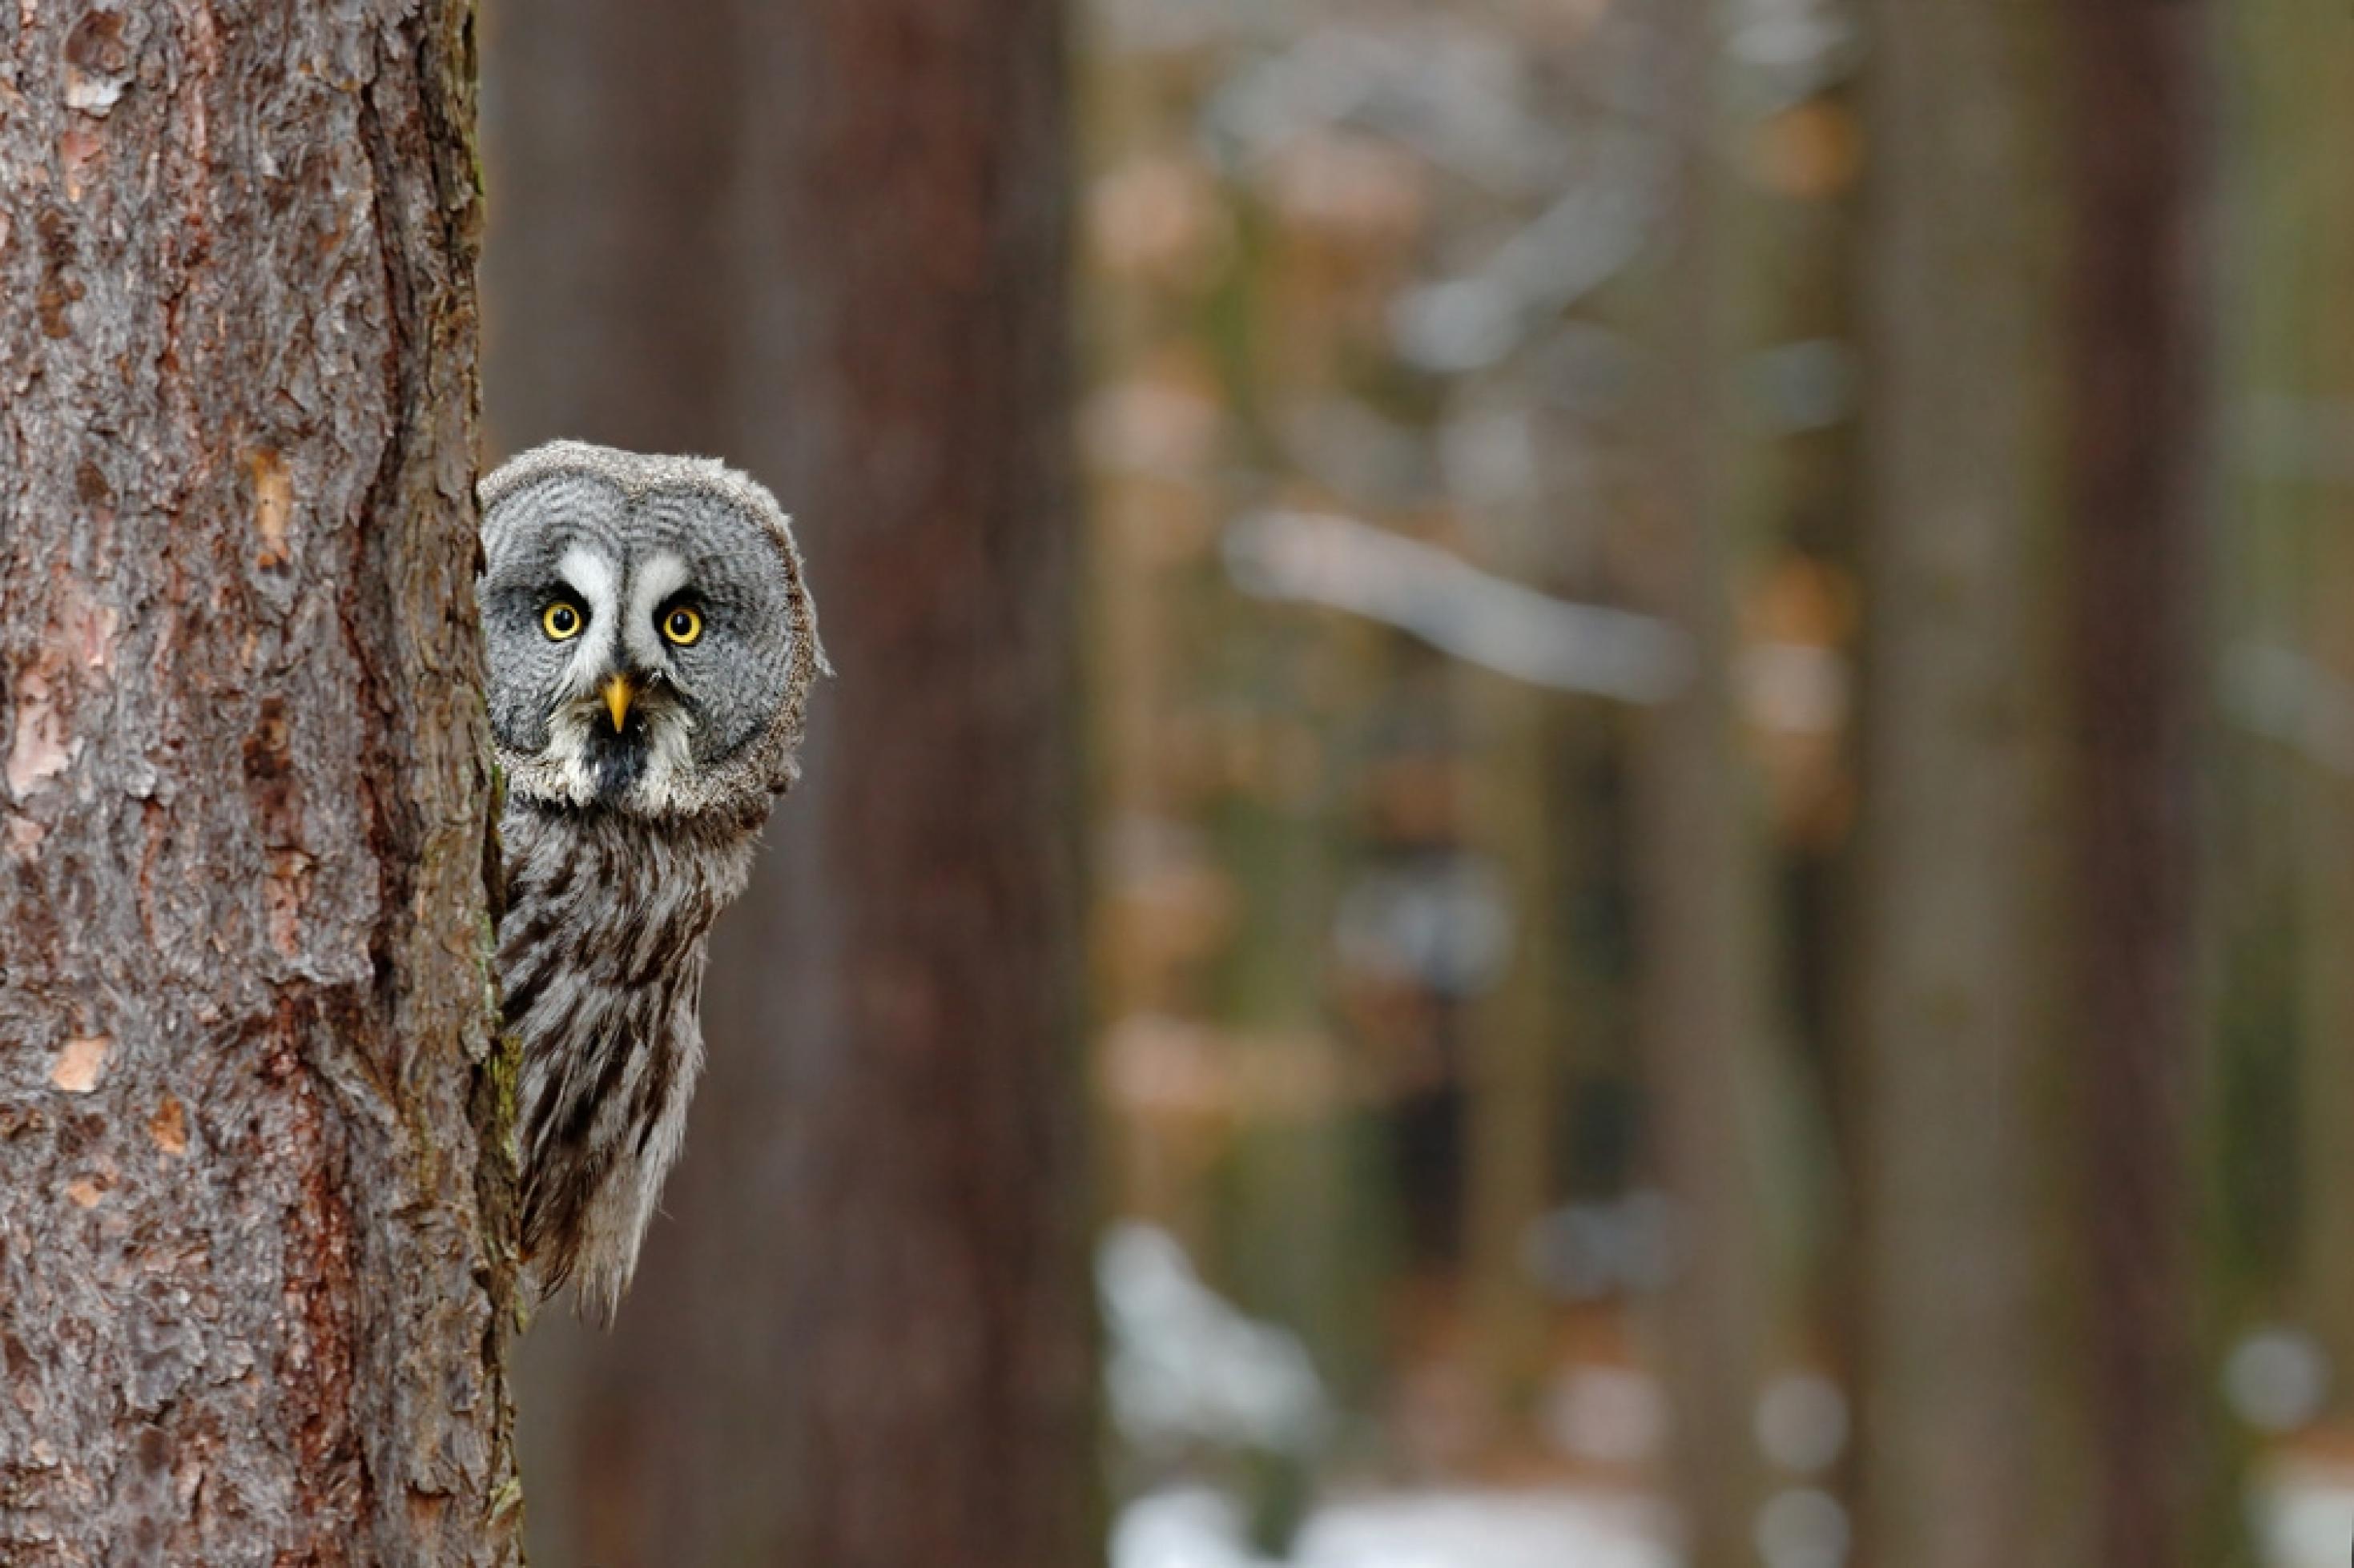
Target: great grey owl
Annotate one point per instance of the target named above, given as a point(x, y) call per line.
point(652, 645)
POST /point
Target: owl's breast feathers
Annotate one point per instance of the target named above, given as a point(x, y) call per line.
point(601, 959)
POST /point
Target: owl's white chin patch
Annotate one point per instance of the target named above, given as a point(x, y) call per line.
point(584, 764)
point(669, 760)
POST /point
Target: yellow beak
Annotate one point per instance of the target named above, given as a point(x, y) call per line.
point(618, 693)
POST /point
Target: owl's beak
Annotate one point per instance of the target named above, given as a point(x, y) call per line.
point(618, 694)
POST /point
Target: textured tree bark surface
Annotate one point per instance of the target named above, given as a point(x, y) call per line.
point(253, 1296)
point(1956, 1018)
point(860, 1337)
point(2139, 124)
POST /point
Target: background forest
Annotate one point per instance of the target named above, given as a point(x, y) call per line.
point(1694, 657)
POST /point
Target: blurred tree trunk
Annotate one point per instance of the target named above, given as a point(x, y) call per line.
point(2286, 876)
point(254, 1282)
point(1696, 866)
point(611, 303)
point(2322, 819)
point(2279, 859)
point(933, 1202)
point(1955, 997)
point(2137, 142)
point(1516, 1057)
point(866, 1338)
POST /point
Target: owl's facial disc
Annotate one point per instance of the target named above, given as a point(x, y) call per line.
point(620, 723)
point(648, 636)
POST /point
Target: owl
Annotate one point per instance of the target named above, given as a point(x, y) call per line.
point(652, 646)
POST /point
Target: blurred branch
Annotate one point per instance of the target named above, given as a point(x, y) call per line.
point(1320, 558)
point(1500, 625)
point(1574, 247)
point(1448, 91)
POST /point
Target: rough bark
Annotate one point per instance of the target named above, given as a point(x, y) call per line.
point(1955, 999)
point(253, 1281)
point(2137, 494)
point(862, 1337)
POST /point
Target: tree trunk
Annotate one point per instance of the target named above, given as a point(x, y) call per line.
point(862, 1338)
point(2283, 884)
point(2138, 491)
point(1701, 930)
point(1517, 1058)
point(1956, 992)
point(254, 1280)
point(933, 1211)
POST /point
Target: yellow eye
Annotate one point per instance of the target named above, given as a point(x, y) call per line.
point(682, 626)
point(561, 620)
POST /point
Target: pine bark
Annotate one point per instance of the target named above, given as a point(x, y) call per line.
point(253, 1276)
point(862, 1335)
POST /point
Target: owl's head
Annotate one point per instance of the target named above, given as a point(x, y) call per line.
point(652, 644)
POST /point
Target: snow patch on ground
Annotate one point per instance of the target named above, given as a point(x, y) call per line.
point(2304, 1519)
point(1195, 1528)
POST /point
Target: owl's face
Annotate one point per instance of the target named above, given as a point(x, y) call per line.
point(649, 638)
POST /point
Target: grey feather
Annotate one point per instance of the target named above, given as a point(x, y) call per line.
point(625, 837)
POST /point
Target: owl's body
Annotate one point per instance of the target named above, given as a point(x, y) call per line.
point(601, 960)
point(651, 648)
